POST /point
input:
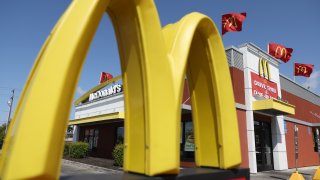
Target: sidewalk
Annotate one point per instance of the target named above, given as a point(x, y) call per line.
point(100, 162)
point(307, 173)
point(76, 170)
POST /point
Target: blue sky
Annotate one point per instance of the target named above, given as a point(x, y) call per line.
point(24, 26)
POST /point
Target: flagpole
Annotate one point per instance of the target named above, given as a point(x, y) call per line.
point(294, 77)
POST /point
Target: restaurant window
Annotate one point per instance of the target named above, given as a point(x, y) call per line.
point(119, 135)
point(95, 138)
point(187, 141)
point(189, 138)
point(91, 136)
point(315, 137)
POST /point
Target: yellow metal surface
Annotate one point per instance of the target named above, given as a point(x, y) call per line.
point(153, 64)
point(34, 143)
point(316, 175)
point(97, 88)
point(195, 48)
point(104, 117)
point(296, 176)
point(279, 107)
point(151, 126)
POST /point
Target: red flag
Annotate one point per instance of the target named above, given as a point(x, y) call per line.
point(280, 52)
point(105, 77)
point(232, 22)
point(303, 69)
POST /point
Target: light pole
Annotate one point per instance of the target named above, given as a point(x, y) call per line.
point(296, 145)
point(10, 102)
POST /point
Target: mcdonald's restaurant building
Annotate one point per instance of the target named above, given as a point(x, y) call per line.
point(269, 107)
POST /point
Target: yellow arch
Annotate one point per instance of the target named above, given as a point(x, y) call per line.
point(150, 120)
point(34, 143)
point(195, 46)
point(152, 89)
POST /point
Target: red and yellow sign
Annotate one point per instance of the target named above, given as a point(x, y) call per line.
point(263, 88)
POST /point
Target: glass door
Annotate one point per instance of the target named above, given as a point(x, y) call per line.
point(262, 131)
point(187, 141)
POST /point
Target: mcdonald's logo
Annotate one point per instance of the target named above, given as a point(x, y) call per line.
point(151, 58)
point(230, 21)
point(301, 69)
point(264, 69)
point(282, 51)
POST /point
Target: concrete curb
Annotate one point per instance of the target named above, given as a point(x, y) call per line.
point(307, 173)
point(83, 165)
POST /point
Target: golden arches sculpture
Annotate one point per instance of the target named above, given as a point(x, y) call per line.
point(153, 64)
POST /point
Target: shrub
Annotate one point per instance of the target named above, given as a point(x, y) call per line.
point(117, 155)
point(77, 149)
point(66, 149)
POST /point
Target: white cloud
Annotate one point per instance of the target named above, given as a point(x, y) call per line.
point(313, 82)
point(80, 91)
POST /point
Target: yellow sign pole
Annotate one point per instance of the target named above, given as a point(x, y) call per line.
point(296, 175)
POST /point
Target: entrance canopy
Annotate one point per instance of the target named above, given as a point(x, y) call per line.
point(111, 116)
point(273, 107)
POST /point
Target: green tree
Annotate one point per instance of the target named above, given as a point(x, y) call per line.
point(2, 133)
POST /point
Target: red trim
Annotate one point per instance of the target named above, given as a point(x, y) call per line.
point(186, 164)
